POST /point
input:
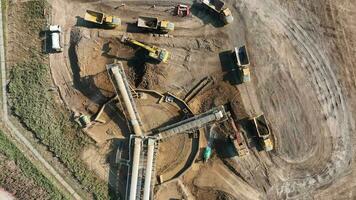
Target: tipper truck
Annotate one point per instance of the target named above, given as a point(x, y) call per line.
point(102, 19)
point(263, 131)
point(153, 24)
point(243, 63)
point(217, 6)
point(159, 54)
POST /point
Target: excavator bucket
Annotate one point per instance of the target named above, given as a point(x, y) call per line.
point(124, 38)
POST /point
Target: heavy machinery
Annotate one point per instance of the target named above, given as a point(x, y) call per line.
point(207, 153)
point(217, 6)
point(83, 121)
point(243, 63)
point(102, 19)
point(214, 115)
point(263, 131)
point(182, 10)
point(159, 54)
point(237, 139)
point(153, 24)
point(208, 149)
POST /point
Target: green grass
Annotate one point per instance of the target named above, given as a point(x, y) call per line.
point(35, 106)
point(8, 149)
point(32, 102)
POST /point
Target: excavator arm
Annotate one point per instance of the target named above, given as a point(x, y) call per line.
point(137, 43)
point(153, 51)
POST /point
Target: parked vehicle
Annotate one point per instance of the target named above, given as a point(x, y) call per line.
point(102, 19)
point(263, 131)
point(55, 35)
point(243, 63)
point(153, 24)
point(217, 6)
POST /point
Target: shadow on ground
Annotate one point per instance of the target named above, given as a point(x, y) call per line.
point(119, 168)
point(206, 15)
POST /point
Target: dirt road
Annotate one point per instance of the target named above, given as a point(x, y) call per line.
point(301, 93)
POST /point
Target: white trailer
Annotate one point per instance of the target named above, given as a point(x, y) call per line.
point(55, 33)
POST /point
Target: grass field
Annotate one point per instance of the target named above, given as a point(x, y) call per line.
point(32, 100)
point(12, 153)
point(33, 103)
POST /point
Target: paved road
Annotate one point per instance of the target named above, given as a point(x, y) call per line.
point(14, 131)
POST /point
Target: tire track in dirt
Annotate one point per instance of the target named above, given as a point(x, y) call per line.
point(327, 91)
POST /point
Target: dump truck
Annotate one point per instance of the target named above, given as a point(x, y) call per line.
point(102, 19)
point(263, 131)
point(159, 54)
point(217, 6)
point(237, 139)
point(153, 24)
point(243, 63)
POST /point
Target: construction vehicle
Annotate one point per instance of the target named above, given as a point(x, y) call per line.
point(182, 10)
point(217, 6)
point(237, 139)
point(153, 24)
point(207, 154)
point(208, 149)
point(83, 121)
point(263, 131)
point(102, 19)
point(159, 54)
point(243, 63)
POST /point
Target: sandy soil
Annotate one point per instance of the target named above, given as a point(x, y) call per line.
point(303, 79)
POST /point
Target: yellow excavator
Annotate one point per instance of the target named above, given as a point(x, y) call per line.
point(162, 55)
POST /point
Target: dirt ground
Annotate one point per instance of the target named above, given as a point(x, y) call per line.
point(303, 78)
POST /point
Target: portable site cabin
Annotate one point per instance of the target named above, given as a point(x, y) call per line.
point(55, 33)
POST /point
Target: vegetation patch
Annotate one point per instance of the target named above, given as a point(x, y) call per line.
point(33, 184)
point(32, 101)
point(35, 106)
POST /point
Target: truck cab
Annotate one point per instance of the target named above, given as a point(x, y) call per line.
point(166, 26)
point(227, 16)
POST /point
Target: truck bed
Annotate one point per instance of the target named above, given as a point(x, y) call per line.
point(94, 17)
point(241, 54)
point(147, 22)
point(216, 5)
point(261, 126)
